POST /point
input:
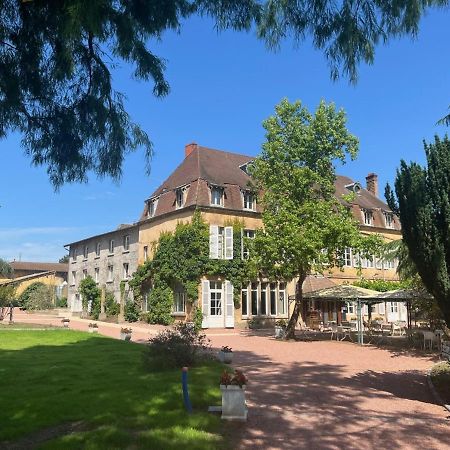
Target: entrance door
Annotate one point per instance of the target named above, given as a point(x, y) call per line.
point(217, 307)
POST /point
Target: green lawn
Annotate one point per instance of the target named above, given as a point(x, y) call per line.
point(55, 377)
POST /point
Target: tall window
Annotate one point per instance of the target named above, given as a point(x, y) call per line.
point(98, 247)
point(281, 299)
point(263, 299)
point(348, 257)
point(179, 300)
point(74, 277)
point(350, 308)
point(254, 299)
point(110, 273)
point(126, 271)
point(85, 274)
point(152, 207)
point(74, 254)
point(249, 201)
point(220, 242)
point(389, 220)
point(244, 300)
point(215, 292)
point(145, 253)
point(126, 243)
point(85, 251)
point(394, 307)
point(96, 274)
point(179, 198)
point(216, 196)
point(273, 299)
point(368, 217)
point(246, 234)
point(111, 246)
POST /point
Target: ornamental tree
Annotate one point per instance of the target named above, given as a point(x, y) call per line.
point(305, 226)
point(56, 61)
point(423, 203)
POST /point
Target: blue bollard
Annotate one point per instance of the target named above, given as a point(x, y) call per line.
point(184, 383)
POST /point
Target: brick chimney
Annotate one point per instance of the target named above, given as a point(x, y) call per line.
point(372, 183)
point(189, 148)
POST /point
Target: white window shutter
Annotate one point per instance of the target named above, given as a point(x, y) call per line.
point(228, 242)
point(214, 242)
point(229, 305)
point(205, 303)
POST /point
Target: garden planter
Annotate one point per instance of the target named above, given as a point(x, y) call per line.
point(233, 402)
point(65, 323)
point(226, 357)
point(279, 332)
point(125, 336)
point(93, 330)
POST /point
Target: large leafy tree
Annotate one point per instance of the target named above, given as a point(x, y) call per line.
point(6, 270)
point(56, 58)
point(423, 195)
point(305, 226)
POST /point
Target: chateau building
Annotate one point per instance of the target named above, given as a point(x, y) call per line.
point(217, 184)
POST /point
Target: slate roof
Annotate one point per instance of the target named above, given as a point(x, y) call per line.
point(205, 167)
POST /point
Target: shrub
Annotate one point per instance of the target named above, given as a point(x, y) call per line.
point(90, 296)
point(24, 296)
point(112, 308)
point(180, 347)
point(131, 312)
point(161, 303)
point(39, 298)
point(61, 302)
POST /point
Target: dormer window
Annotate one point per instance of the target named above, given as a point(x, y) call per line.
point(246, 166)
point(85, 252)
point(152, 204)
point(180, 197)
point(216, 196)
point(249, 201)
point(368, 217)
point(354, 187)
point(389, 220)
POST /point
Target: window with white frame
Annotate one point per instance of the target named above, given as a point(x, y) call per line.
point(74, 277)
point(249, 201)
point(96, 274)
point(110, 273)
point(179, 198)
point(254, 298)
point(179, 300)
point(264, 299)
point(126, 271)
point(152, 204)
point(347, 257)
point(126, 243)
point(350, 308)
point(394, 307)
point(273, 299)
point(111, 246)
point(85, 274)
point(216, 196)
point(145, 252)
point(368, 217)
point(220, 242)
point(215, 298)
point(281, 299)
point(74, 254)
point(98, 248)
point(244, 301)
point(246, 234)
point(389, 220)
point(85, 251)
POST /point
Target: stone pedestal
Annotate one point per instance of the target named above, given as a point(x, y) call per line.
point(102, 315)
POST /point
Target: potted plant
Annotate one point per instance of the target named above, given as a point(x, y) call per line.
point(93, 328)
point(232, 386)
point(65, 322)
point(280, 328)
point(226, 354)
point(125, 333)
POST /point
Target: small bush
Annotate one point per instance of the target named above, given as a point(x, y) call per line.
point(180, 347)
point(39, 298)
point(24, 296)
point(61, 302)
point(131, 312)
point(161, 303)
point(112, 308)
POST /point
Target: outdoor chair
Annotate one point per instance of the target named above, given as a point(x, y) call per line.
point(428, 339)
point(335, 331)
point(397, 329)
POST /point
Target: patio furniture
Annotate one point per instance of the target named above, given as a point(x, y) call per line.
point(335, 331)
point(397, 329)
point(428, 339)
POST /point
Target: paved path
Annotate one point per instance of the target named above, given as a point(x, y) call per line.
point(321, 395)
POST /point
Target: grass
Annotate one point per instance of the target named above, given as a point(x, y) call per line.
point(58, 377)
point(440, 376)
point(17, 325)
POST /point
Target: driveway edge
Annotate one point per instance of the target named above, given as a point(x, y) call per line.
point(433, 390)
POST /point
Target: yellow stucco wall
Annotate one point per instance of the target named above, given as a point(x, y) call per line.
point(49, 280)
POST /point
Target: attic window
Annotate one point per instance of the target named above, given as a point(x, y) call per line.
point(245, 167)
point(152, 204)
point(179, 202)
point(389, 219)
point(216, 196)
point(368, 217)
point(249, 201)
point(354, 187)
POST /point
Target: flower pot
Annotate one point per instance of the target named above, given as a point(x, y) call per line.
point(125, 336)
point(93, 330)
point(233, 402)
point(279, 332)
point(225, 357)
point(66, 324)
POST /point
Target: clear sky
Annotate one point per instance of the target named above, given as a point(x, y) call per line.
point(222, 87)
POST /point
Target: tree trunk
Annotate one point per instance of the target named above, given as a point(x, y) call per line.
point(290, 330)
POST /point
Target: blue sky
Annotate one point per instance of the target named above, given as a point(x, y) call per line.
point(222, 87)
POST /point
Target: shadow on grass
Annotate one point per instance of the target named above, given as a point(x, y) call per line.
point(65, 377)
